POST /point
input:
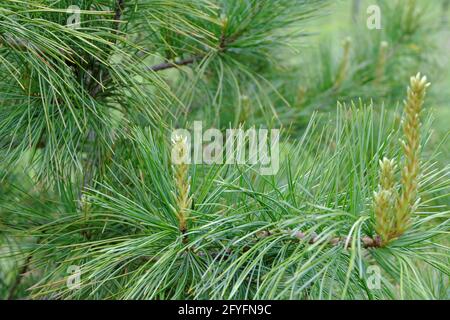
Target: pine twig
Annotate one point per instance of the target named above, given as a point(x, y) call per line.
point(366, 241)
point(169, 65)
point(19, 277)
point(120, 6)
point(222, 46)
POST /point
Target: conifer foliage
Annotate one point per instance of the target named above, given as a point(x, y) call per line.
point(92, 205)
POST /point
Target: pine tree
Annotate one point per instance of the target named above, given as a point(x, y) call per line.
point(91, 91)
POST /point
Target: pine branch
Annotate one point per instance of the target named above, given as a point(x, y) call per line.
point(89, 175)
point(19, 277)
point(120, 6)
point(222, 46)
point(158, 67)
point(366, 241)
point(169, 65)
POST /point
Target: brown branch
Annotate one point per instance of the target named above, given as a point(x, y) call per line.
point(366, 241)
point(168, 65)
point(18, 280)
point(118, 14)
point(120, 7)
point(222, 47)
point(159, 67)
point(88, 177)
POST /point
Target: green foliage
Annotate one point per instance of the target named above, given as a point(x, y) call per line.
point(85, 153)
